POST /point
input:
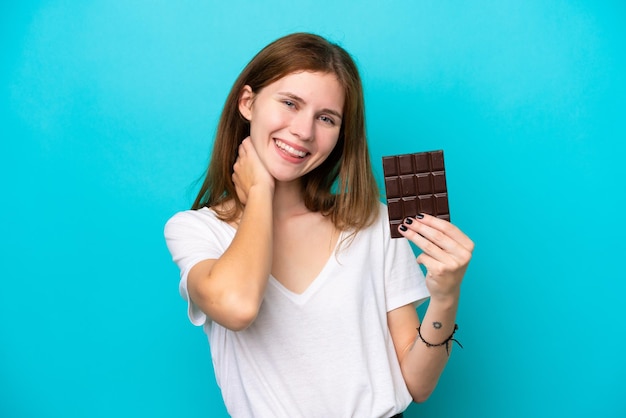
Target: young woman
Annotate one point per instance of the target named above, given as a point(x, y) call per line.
point(286, 257)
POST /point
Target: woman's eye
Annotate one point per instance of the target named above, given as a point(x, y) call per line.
point(289, 103)
point(327, 120)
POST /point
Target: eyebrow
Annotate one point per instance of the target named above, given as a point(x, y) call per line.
point(301, 100)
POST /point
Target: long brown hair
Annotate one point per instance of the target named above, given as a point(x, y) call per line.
point(343, 187)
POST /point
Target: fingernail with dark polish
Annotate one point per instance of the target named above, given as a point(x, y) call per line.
point(408, 221)
point(402, 228)
point(419, 216)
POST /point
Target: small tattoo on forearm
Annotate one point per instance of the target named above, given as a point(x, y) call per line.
point(437, 325)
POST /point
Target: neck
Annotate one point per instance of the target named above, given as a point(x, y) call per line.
point(288, 200)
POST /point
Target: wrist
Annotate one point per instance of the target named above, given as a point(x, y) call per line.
point(445, 301)
point(262, 189)
point(445, 343)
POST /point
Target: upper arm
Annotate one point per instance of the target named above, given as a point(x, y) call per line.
point(403, 323)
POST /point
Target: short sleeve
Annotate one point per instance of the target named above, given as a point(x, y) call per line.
point(191, 237)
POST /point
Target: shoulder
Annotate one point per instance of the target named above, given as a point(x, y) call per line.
point(382, 212)
point(380, 231)
point(198, 234)
point(191, 217)
point(193, 222)
point(381, 220)
point(378, 228)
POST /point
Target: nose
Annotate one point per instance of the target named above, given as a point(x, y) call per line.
point(302, 126)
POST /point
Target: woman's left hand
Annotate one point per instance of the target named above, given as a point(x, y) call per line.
point(446, 253)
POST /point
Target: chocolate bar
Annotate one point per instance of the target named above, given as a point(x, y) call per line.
point(415, 183)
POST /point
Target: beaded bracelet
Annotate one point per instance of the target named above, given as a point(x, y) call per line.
point(446, 342)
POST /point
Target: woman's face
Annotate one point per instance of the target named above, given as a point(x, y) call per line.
point(294, 122)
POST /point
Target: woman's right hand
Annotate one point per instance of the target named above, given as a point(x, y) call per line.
point(249, 171)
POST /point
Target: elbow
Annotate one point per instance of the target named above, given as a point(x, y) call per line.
point(240, 316)
point(421, 397)
point(233, 311)
point(233, 307)
point(421, 394)
point(420, 383)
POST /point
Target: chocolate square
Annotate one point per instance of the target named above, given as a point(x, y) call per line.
point(415, 183)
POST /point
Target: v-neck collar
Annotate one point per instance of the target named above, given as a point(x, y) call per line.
point(317, 283)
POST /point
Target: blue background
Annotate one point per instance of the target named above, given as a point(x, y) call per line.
point(108, 109)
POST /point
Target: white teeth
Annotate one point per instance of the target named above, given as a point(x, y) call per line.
point(291, 150)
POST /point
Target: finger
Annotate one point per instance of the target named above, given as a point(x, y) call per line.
point(430, 263)
point(435, 244)
point(418, 234)
point(440, 278)
point(446, 228)
point(241, 151)
point(437, 268)
point(424, 259)
point(247, 146)
point(425, 234)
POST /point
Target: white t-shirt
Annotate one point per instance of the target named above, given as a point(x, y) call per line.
point(326, 352)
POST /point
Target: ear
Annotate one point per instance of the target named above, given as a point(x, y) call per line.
point(246, 99)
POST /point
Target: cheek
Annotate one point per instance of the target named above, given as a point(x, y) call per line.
point(330, 142)
point(258, 141)
point(265, 123)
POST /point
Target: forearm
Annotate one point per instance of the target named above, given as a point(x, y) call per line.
point(232, 290)
point(422, 364)
point(246, 263)
point(446, 253)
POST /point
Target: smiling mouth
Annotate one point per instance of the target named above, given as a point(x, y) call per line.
point(290, 150)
